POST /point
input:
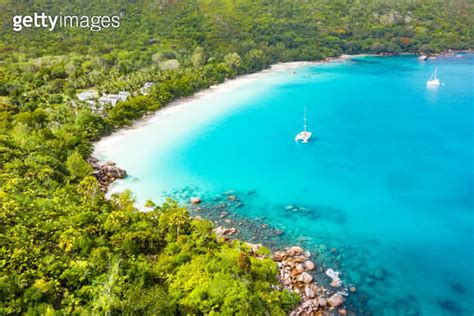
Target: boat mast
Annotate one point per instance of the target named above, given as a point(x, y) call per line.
point(305, 118)
point(434, 75)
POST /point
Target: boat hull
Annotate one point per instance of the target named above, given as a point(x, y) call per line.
point(433, 83)
point(303, 137)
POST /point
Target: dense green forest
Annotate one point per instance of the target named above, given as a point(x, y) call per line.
point(63, 246)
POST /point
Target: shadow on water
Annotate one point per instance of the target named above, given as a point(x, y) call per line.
point(458, 288)
point(314, 213)
point(450, 306)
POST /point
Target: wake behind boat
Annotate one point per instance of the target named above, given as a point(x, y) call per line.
point(304, 135)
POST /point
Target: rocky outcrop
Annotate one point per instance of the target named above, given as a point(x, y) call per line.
point(336, 300)
point(106, 173)
point(295, 269)
point(297, 272)
point(222, 232)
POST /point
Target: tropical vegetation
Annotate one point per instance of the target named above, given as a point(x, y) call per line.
point(64, 247)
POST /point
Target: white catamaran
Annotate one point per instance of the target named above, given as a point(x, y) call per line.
point(434, 80)
point(304, 135)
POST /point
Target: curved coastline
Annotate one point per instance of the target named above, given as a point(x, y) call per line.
point(229, 84)
point(316, 295)
point(188, 104)
point(183, 104)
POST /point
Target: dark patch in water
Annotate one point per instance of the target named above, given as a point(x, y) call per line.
point(407, 306)
point(316, 212)
point(457, 288)
point(450, 306)
point(332, 214)
point(366, 61)
point(298, 211)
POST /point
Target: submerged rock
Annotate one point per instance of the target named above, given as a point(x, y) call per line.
point(335, 283)
point(378, 274)
point(458, 288)
point(195, 200)
point(450, 306)
point(278, 232)
point(334, 275)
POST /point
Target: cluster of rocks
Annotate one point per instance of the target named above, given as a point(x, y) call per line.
point(445, 53)
point(222, 211)
point(295, 208)
point(296, 270)
point(295, 274)
point(106, 173)
point(229, 197)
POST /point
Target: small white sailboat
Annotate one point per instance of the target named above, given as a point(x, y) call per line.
point(423, 58)
point(434, 80)
point(304, 135)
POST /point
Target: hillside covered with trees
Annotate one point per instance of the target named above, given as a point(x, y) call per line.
point(63, 246)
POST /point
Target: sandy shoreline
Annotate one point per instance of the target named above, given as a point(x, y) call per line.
point(229, 84)
point(226, 85)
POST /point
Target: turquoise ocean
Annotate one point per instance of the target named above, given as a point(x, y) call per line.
point(386, 182)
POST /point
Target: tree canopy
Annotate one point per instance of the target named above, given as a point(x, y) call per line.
point(66, 249)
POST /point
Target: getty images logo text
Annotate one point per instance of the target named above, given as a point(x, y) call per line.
point(52, 22)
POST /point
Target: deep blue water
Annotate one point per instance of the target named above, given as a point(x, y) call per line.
point(387, 179)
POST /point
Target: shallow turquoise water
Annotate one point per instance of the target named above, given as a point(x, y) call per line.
point(388, 178)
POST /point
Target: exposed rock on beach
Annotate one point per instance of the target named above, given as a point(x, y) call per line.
point(106, 173)
point(295, 269)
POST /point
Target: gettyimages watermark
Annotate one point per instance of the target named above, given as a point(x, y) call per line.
point(52, 22)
